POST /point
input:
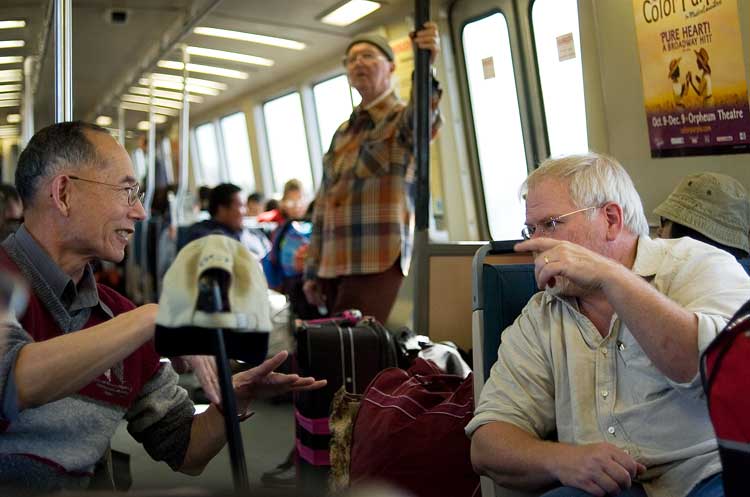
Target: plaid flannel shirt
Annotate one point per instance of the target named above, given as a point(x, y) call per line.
point(364, 210)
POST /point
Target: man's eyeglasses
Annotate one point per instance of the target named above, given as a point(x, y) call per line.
point(548, 227)
point(350, 60)
point(134, 192)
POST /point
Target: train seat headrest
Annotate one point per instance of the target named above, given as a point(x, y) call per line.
point(247, 290)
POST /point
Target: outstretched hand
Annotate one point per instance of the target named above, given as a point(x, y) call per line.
point(261, 381)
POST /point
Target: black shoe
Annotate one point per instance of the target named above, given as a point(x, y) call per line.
point(284, 475)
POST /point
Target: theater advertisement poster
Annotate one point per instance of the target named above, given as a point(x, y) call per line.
point(693, 72)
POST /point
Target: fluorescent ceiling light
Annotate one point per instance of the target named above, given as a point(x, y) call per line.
point(7, 88)
point(158, 76)
point(143, 125)
point(12, 43)
point(251, 37)
point(103, 120)
point(177, 85)
point(10, 103)
point(217, 71)
point(144, 108)
point(12, 24)
point(13, 118)
point(173, 95)
point(233, 56)
point(161, 102)
point(10, 96)
point(12, 59)
point(10, 75)
point(351, 11)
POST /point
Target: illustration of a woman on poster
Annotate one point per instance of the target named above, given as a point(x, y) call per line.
point(704, 88)
point(679, 89)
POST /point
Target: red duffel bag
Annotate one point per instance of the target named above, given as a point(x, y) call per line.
point(409, 432)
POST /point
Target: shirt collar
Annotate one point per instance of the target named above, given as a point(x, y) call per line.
point(648, 256)
point(379, 107)
point(49, 270)
point(78, 296)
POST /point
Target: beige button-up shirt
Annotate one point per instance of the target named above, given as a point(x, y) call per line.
point(555, 371)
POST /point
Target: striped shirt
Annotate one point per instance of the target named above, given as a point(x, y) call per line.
point(364, 210)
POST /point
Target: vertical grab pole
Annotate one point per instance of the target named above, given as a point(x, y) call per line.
point(183, 177)
point(422, 132)
point(121, 125)
point(147, 281)
point(63, 61)
point(27, 111)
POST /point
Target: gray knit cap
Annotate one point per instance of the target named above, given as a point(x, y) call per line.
point(715, 205)
point(375, 40)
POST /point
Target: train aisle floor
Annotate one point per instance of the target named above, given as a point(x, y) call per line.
point(268, 437)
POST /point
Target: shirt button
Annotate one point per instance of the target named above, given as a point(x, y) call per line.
point(605, 393)
point(611, 430)
point(604, 350)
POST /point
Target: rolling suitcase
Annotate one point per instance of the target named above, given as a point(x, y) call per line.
point(344, 353)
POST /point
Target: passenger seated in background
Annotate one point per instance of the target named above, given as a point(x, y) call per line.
point(81, 359)
point(608, 354)
point(709, 207)
point(204, 192)
point(291, 206)
point(227, 209)
point(254, 204)
point(11, 210)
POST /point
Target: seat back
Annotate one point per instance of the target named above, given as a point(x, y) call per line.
point(499, 293)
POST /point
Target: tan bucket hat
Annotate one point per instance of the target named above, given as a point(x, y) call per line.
point(248, 290)
point(713, 204)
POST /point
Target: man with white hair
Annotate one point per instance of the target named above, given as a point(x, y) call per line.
point(608, 354)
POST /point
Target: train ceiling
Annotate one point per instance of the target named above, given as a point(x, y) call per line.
point(113, 42)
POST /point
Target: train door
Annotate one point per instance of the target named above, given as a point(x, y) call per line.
point(523, 97)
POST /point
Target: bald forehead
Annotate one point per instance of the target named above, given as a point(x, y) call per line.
point(112, 156)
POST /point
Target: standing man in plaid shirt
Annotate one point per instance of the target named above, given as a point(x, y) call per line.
point(364, 211)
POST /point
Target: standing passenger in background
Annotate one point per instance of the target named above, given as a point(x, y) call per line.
point(709, 207)
point(364, 211)
point(291, 206)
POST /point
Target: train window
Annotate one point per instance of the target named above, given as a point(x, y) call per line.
point(333, 106)
point(237, 150)
point(497, 123)
point(208, 154)
point(558, 53)
point(287, 145)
